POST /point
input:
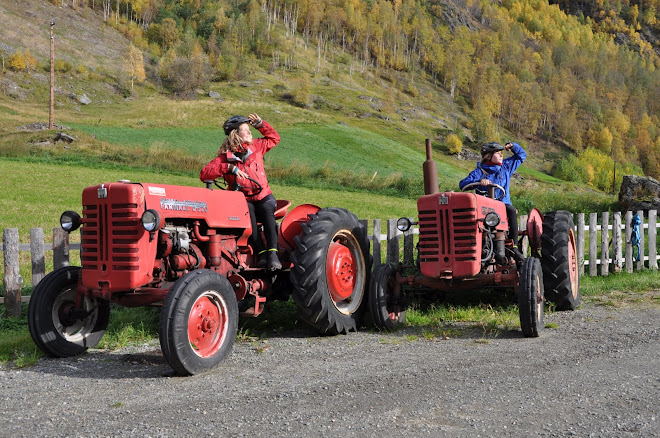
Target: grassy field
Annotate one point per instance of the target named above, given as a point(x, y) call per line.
point(35, 194)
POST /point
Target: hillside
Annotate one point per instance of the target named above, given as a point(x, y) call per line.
point(349, 116)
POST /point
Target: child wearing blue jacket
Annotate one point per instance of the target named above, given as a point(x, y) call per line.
point(494, 168)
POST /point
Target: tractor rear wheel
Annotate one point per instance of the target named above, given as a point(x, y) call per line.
point(198, 322)
point(331, 265)
point(57, 326)
point(530, 297)
point(385, 298)
point(559, 260)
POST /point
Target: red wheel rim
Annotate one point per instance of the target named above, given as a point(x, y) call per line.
point(573, 263)
point(207, 324)
point(535, 229)
point(340, 271)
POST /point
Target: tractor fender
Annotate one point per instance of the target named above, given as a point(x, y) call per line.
point(534, 229)
point(291, 225)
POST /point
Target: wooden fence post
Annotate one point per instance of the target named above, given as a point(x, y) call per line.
point(653, 251)
point(522, 225)
point(617, 255)
point(593, 245)
point(37, 255)
point(392, 242)
point(408, 246)
point(629, 253)
point(60, 248)
point(580, 243)
point(376, 243)
point(604, 243)
point(12, 280)
point(642, 252)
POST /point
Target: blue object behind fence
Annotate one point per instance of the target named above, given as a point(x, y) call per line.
point(635, 237)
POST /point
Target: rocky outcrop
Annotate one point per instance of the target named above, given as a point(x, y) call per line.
point(639, 193)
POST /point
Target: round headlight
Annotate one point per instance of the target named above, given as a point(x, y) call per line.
point(403, 224)
point(150, 220)
point(70, 221)
point(492, 219)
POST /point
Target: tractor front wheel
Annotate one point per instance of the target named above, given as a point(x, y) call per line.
point(62, 322)
point(385, 298)
point(198, 322)
point(530, 297)
point(559, 260)
point(331, 271)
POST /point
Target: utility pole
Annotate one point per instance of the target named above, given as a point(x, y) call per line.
point(52, 75)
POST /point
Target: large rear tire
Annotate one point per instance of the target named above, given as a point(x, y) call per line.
point(59, 328)
point(530, 297)
point(386, 299)
point(559, 260)
point(331, 265)
point(198, 322)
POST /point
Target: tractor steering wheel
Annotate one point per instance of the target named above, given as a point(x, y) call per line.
point(219, 183)
point(248, 191)
point(222, 185)
point(474, 185)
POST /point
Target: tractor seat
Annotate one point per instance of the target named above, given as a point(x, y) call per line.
point(281, 208)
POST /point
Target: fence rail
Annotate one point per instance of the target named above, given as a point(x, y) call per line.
point(398, 247)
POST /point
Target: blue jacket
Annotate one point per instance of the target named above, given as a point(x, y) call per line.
point(500, 175)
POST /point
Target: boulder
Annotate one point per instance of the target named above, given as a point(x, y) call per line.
point(639, 193)
point(214, 95)
point(468, 155)
point(84, 99)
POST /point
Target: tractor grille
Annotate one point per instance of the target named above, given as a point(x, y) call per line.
point(110, 235)
point(438, 242)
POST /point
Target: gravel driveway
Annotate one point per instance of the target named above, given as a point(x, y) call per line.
point(595, 374)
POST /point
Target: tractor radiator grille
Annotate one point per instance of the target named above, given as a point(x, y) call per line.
point(436, 239)
point(110, 235)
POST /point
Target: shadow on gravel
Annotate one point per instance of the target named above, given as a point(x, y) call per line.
point(102, 365)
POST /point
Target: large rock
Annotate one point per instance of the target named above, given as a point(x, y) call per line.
point(639, 193)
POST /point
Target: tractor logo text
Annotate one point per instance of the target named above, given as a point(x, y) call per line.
point(486, 210)
point(176, 205)
point(443, 200)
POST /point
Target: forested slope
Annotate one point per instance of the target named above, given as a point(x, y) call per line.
point(516, 68)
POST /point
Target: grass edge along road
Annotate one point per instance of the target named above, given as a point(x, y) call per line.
point(481, 314)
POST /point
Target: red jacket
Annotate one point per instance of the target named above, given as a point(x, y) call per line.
point(253, 164)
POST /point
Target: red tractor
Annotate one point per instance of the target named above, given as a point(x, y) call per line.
point(464, 244)
point(186, 249)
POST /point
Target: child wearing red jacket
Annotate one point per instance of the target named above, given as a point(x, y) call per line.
point(241, 157)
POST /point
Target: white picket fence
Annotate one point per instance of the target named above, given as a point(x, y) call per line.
point(606, 250)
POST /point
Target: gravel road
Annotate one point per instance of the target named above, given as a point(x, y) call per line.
point(595, 374)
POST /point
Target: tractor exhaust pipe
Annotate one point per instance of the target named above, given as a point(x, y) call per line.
point(430, 171)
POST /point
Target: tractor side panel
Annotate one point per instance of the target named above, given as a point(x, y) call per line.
point(449, 244)
point(218, 208)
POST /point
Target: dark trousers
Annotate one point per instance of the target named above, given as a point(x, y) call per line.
point(512, 216)
point(263, 211)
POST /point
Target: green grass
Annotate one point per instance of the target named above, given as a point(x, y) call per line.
point(488, 311)
point(16, 345)
point(636, 283)
point(192, 140)
point(36, 194)
point(342, 151)
point(130, 326)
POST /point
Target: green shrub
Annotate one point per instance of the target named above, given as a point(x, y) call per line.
point(16, 61)
point(454, 144)
point(62, 66)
